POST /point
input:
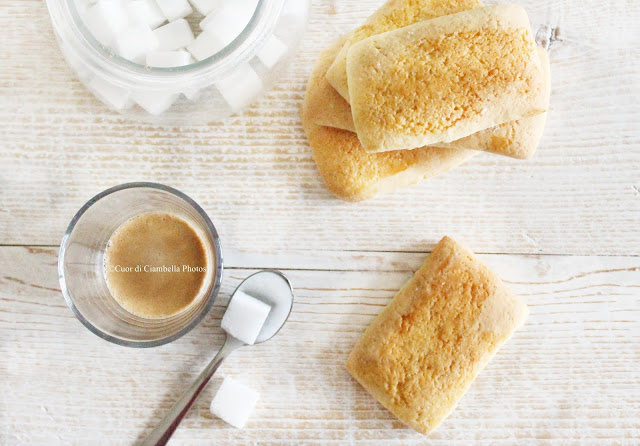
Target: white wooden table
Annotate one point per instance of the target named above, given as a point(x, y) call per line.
point(563, 229)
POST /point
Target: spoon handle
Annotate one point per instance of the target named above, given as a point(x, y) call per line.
point(161, 434)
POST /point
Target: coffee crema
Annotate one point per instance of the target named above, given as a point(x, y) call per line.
point(155, 265)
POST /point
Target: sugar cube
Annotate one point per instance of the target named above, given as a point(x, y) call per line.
point(113, 95)
point(154, 103)
point(205, 45)
point(145, 11)
point(174, 9)
point(244, 317)
point(229, 21)
point(297, 9)
point(234, 402)
point(135, 42)
point(204, 7)
point(193, 94)
point(168, 59)
point(272, 51)
point(105, 20)
point(174, 35)
point(241, 87)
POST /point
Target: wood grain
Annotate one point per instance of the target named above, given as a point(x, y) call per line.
point(571, 375)
point(580, 194)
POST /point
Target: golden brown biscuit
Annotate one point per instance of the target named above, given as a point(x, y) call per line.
point(351, 173)
point(423, 351)
point(516, 139)
point(392, 15)
point(444, 79)
point(324, 106)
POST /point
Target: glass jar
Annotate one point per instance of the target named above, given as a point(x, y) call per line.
point(201, 92)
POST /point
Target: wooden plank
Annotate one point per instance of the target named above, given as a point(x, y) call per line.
point(580, 194)
point(570, 376)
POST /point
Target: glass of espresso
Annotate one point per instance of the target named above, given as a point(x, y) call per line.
point(140, 264)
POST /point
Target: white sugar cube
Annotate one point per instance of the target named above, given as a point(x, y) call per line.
point(272, 51)
point(155, 103)
point(168, 59)
point(145, 11)
point(205, 45)
point(244, 317)
point(135, 42)
point(204, 7)
point(105, 20)
point(193, 94)
point(241, 87)
point(174, 35)
point(174, 9)
point(234, 402)
point(113, 95)
point(228, 22)
point(297, 9)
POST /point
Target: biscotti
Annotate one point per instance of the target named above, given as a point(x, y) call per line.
point(516, 139)
point(421, 354)
point(444, 79)
point(392, 15)
point(324, 106)
point(351, 173)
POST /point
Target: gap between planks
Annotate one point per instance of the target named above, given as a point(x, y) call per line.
point(365, 251)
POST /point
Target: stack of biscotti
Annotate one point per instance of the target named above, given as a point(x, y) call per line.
point(421, 87)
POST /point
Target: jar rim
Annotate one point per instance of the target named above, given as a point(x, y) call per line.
point(122, 72)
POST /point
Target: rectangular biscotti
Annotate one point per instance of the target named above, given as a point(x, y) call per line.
point(392, 15)
point(353, 174)
point(444, 79)
point(324, 106)
point(423, 351)
point(350, 172)
point(516, 139)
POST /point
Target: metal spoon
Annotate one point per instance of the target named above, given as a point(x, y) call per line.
point(271, 287)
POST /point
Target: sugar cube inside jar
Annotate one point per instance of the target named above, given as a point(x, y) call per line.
point(178, 61)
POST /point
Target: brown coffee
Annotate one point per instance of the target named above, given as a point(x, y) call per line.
point(155, 265)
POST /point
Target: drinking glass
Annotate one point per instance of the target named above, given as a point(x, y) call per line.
point(81, 264)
